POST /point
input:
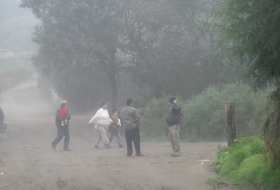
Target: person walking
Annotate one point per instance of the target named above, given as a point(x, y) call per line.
point(62, 127)
point(102, 120)
point(173, 120)
point(130, 121)
point(115, 128)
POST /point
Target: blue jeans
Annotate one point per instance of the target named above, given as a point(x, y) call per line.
point(62, 131)
point(117, 134)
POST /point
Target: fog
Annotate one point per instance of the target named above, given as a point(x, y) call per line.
point(88, 52)
point(28, 161)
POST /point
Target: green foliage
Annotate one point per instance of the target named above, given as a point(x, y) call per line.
point(252, 30)
point(14, 71)
point(231, 158)
point(251, 27)
point(161, 44)
point(244, 163)
point(153, 126)
point(84, 80)
point(214, 183)
point(204, 115)
point(271, 132)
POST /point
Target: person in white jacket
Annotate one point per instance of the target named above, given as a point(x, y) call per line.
point(102, 119)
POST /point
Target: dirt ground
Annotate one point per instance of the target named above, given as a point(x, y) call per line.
point(27, 161)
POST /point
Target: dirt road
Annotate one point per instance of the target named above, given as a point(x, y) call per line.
point(27, 161)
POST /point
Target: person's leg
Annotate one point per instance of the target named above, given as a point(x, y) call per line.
point(58, 137)
point(98, 139)
point(128, 139)
point(119, 139)
point(111, 136)
point(175, 130)
point(103, 134)
point(66, 139)
point(136, 141)
point(171, 139)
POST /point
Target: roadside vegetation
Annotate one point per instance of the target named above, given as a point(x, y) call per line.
point(14, 71)
point(204, 114)
point(246, 164)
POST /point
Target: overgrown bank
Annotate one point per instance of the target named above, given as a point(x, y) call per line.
point(246, 165)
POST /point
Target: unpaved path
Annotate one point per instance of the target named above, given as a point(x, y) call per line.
point(27, 161)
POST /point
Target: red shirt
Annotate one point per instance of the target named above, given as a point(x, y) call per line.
point(63, 113)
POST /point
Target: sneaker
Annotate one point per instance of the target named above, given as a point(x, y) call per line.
point(121, 146)
point(66, 149)
point(176, 155)
point(96, 147)
point(139, 155)
point(53, 147)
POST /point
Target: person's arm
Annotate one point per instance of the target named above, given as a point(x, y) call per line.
point(175, 108)
point(136, 117)
point(69, 115)
point(93, 117)
point(57, 116)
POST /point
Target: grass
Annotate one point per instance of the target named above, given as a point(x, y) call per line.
point(244, 164)
point(215, 183)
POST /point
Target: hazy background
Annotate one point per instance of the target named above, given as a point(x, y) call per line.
point(95, 51)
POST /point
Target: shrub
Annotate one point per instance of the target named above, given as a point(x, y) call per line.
point(244, 163)
point(204, 114)
point(153, 126)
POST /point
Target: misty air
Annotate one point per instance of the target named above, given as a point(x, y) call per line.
point(139, 95)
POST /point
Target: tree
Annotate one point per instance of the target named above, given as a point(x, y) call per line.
point(172, 52)
point(78, 33)
point(161, 44)
point(252, 29)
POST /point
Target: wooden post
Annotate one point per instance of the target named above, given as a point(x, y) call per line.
point(230, 122)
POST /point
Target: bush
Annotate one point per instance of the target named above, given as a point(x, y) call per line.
point(245, 165)
point(153, 126)
point(204, 114)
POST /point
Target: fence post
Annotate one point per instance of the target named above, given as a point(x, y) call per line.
point(230, 122)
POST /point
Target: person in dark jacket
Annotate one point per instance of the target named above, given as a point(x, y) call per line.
point(62, 130)
point(173, 120)
point(130, 121)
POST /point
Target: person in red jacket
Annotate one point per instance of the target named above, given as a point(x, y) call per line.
point(63, 113)
point(62, 130)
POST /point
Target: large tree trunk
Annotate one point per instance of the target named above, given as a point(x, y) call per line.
point(111, 72)
point(114, 90)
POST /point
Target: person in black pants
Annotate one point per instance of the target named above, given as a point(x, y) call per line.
point(130, 121)
point(62, 129)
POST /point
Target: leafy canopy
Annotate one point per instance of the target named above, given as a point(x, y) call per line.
point(251, 27)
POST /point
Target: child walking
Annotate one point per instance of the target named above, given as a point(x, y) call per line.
point(115, 127)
